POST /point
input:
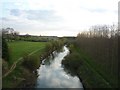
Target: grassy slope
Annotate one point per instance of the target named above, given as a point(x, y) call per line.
point(18, 49)
point(107, 78)
point(91, 77)
point(108, 81)
point(87, 72)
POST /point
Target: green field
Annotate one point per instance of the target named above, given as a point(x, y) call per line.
point(20, 48)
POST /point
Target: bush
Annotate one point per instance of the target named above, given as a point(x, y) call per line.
point(52, 46)
point(72, 62)
point(5, 50)
point(31, 62)
point(4, 67)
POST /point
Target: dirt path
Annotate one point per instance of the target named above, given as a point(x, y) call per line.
point(15, 63)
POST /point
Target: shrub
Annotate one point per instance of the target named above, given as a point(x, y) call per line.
point(5, 50)
point(72, 62)
point(4, 67)
point(31, 62)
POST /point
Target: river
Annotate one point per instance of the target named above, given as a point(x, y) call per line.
point(51, 73)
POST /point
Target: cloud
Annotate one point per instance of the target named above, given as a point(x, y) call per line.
point(61, 17)
point(98, 10)
point(43, 15)
point(15, 12)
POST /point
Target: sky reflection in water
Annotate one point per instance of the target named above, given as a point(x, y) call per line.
point(53, 75)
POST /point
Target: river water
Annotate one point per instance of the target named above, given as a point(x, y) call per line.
point(51, 74)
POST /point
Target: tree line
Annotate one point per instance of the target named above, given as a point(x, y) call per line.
point(9, 34)
point(101, 44)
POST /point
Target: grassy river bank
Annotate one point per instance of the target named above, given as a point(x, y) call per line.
point(31, 53)
point(78, 63)
point(18, 49)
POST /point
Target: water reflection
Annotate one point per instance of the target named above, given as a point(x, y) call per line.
point(52, 74)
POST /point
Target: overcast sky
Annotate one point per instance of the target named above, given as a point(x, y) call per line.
point(56, 17)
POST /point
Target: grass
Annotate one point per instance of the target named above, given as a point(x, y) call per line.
point(86, 70)
point(22, 75)
point(9, 81)
point(20, 48)
point(111, 81)
point(15, 78)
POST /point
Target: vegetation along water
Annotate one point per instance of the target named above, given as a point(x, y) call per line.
point(90, 60)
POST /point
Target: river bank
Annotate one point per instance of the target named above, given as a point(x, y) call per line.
point(24, 75)
point(76, 63)
point(31, 78)
point(13, 70)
